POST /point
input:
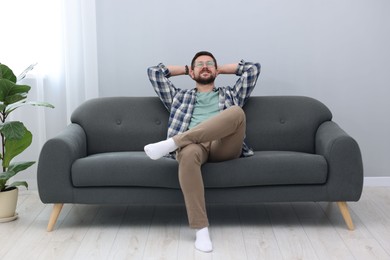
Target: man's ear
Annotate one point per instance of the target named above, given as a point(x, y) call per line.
point(191, 73)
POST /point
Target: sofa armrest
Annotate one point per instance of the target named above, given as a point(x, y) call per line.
point(55, 162)
point(345, 167)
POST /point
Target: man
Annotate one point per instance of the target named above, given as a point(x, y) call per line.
point(206, 124)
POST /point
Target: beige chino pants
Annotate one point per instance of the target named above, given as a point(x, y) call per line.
point(219, 138)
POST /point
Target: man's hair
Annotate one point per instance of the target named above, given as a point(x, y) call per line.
point(203, 53)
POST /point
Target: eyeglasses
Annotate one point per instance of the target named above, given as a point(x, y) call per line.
point(209, 63)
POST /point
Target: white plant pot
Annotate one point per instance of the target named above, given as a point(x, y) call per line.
point(8, 201)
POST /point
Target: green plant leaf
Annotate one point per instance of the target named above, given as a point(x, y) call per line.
point(14, 106)
point(11, 92)
point(5, 86)
point(18, 89)
point(7, 175)
point(18, 183)
point(6, 73)
point(19, 166)
point(15, 98)
point(13, 147)
point(11, 172)
point(13, 130)
point(4, 177)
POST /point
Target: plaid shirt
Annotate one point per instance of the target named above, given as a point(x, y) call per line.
point(181, 102)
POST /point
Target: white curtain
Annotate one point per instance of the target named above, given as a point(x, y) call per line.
point(60, 35)
point(80, 52)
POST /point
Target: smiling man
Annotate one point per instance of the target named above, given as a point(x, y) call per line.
point(206, 124)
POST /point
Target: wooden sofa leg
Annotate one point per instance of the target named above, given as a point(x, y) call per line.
point(54, 216)
point(345, 213)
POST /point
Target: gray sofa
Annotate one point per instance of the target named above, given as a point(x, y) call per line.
point(300, 155)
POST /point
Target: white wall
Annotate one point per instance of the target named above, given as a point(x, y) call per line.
point(335, 51)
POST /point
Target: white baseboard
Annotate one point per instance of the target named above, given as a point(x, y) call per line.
point(377, 181)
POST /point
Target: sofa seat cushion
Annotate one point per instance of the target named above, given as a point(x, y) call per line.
point(135, 169)
point(267, 168)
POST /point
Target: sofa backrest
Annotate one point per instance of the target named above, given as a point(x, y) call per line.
point(121, 123)
point(284, 123)
point(129, 123)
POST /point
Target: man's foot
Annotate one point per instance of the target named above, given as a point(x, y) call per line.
point(203, 241)
point(157, 150)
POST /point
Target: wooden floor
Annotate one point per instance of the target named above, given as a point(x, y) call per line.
point(268, 231)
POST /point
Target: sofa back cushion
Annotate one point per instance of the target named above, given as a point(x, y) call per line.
point(284, 123)
point(274, 123)
point(114, 124)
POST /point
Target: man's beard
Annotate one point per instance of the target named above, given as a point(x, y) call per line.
point(205, 81)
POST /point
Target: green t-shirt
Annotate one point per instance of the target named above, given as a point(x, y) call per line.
point(206, 106)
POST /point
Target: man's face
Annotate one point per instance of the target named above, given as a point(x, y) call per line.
point(204, 70)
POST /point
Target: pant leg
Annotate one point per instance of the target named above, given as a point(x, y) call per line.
point(191, 158)
point(230, 146)
point(226, 130)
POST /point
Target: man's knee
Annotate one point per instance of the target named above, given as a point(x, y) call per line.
point(190, 153)
point(237, 113)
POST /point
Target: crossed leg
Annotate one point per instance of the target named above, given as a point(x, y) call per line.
point(219, 138)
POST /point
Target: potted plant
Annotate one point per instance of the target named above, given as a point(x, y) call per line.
point(15, 138)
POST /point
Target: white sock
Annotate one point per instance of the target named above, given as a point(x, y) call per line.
point(203, 241)
point(157, 150)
